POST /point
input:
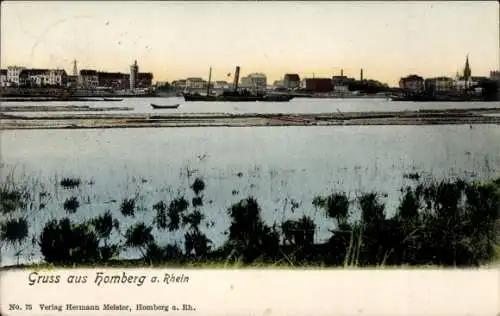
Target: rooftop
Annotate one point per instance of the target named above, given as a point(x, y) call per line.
point(292, 77)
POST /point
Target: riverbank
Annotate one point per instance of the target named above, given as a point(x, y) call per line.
point(61, 108)
point(11, 120)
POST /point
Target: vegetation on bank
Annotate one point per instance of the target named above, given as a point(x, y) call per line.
point(437, 223)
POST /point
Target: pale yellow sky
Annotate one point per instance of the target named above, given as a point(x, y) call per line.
point(180, 39)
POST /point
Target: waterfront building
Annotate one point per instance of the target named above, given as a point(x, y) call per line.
point(222, 85)
point(3, 78)
point(13, 73)
point(88, 79)
point(134, 70)
point(461, 83)
point(495, 75)
point(291, 81)
point(72, 81)
point(114, 80)
point(341, 88)
point(144, 80)
point(412, 83)
point(43, 77)
point(254, 80)
point(33, 77)
point(179, 84)
point(341, 83)
point(320, 85)
point(58, 77)
point(280, 84)
point(195, 83)
point(439, 84)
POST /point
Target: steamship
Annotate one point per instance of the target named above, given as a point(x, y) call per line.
point(236, 95)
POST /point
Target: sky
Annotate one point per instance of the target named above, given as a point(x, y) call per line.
point(176, 40)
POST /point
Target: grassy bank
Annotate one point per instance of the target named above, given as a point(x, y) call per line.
point(436, 224)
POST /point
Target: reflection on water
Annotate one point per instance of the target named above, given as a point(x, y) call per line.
point(274, 164)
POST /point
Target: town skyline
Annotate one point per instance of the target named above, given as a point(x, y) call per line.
point(168, 43)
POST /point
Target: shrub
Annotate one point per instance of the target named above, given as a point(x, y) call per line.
point(249, 238)
point(71, 205)
point(127, 208)
point(64, 242)
point(70, 183)
point(14, 231)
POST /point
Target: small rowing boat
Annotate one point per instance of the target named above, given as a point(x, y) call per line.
point(173, 106)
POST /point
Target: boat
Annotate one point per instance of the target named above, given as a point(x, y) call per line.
point(112, 99)
point(236, 95)
point(173, 106)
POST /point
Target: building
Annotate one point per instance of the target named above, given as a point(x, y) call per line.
point(320, 85)
point(179, 84)
point(495, 75)
point(280, 84)
point(72, 81)
point(34, 77)
point(291, 81)
point(13, 73)
point(222, 85)
point(439, 84)
point(43, 77)
point(3, 78)
point(134, 70)
point(254, 80)
point(114, 80)
point(144, 80)
point(341, 83)
point(467, 81)
point(195, 83)
point(88, 79)
point(460, 83)
point(412, 83)
point(58, 78)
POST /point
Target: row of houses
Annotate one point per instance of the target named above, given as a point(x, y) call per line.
point(259, 81)
point(416, 84)
point(442, 84)
point(18, 76)
point(92, 79)
point(254, 80)
point(21, 76)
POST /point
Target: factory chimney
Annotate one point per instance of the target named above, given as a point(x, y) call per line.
point(236, 77)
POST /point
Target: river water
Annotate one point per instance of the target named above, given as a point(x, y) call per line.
point(298, 105)
point(274, 164)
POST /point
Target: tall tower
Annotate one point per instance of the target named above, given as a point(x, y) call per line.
point(75, 69)
point(342, 72)
point(467, 72)
point(134, 70)
point(361, 74)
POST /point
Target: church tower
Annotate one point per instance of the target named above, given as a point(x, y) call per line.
point(75, 69)
point(467, 71)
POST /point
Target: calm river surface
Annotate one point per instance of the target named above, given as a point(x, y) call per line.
point(274, 164)
point(299, 105)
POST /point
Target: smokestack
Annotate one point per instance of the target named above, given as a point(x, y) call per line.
point(342, 72)
point(236, 77)
point(361, 74)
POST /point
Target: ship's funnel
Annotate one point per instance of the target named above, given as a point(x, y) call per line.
point(236, 77)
